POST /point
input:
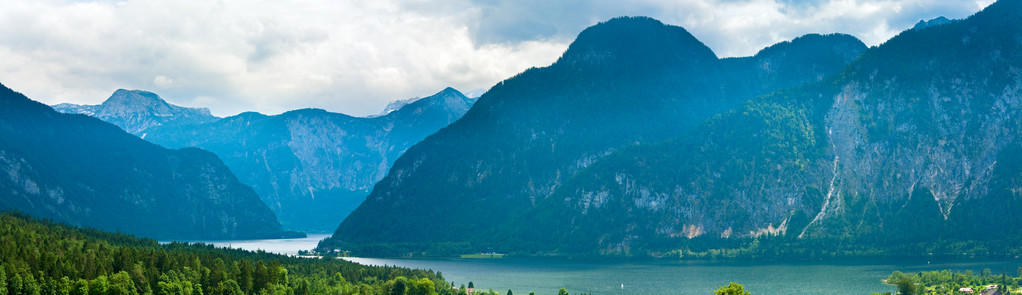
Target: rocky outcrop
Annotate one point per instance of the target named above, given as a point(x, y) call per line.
point(912, 143)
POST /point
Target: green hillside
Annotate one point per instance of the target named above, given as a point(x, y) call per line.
point(86, 172)
point(43, 257)
point(623, 82)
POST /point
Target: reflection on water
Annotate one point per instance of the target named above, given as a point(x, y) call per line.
point(279, 246)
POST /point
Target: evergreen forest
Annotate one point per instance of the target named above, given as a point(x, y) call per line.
point(44, 257)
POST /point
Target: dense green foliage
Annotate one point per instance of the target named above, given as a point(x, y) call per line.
point(950, 282)
point(731, 289)
point(42, 257)
point(310, 166)
point(622, 82)
point(87, 172)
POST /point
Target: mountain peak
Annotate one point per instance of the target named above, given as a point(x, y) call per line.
point(138, 110)
point(641, 40)
point(812, 49)
point(922, 24)
point(401, 103)
point(627, 81)
point(449, 91)
point(124, 97)
point(85, 172)
point(449, 99)
point(311, 166)
point(396, 105)
point(816, 42)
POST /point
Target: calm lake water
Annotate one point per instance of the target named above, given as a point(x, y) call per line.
point(547, 275)
point(279, 246)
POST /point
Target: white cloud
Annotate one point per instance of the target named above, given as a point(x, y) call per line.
point(163, 81)
point(742, 27)
point(355, 56)
point(235, 56)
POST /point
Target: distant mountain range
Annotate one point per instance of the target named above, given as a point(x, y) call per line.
point(625, 82)
point(136, 111)
point(87, 172)
point(310, 166)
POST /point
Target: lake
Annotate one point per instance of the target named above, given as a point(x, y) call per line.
point(547, 275)
point(279, 246)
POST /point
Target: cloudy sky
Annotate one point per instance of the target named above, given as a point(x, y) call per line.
point(355, 56)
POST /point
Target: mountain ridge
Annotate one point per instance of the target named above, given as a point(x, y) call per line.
point(312, 166)
point(531, 132)
point(136, 111)
point(905, 149)
point(86, 172)
point(940, 20)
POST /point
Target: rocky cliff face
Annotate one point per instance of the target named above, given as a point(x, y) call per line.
point(86, 172)
point(913, 142)
point(310, 166)
point(629, 81)
point(136, 111)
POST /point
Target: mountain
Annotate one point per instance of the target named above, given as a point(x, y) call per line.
point(310, 166)
point(136, 111)
point(913, 149)
point(86, 172)
point(940, 20)
point(396, 105)
point(623, 82)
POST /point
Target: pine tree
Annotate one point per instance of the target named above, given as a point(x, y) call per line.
point(32, 286)
point(261, 277)
point(120, 283)
point(99, 285)
point(399, 287)
point(229, 287)
point(81, 287)
point(197, 289)
point(3, 281)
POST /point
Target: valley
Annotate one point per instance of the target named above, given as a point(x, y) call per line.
point(662, 154)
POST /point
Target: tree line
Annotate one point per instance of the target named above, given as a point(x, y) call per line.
point(44, 257)
point(951, 282)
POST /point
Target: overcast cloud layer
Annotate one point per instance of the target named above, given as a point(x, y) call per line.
point(355, 56)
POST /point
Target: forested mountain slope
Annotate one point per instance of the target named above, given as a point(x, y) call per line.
point(917, 142)
point(86, 172)
point(623, 82)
